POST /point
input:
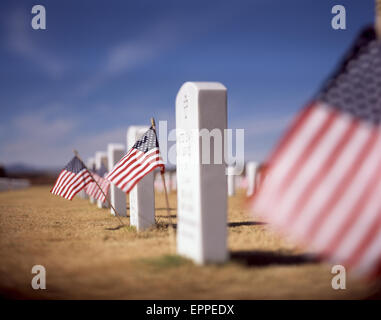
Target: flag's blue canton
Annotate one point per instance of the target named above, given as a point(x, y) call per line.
point(75, 165)
point(356, 86)
point(147, 142)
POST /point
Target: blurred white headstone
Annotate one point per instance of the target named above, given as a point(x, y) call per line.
point(231, 181)
point(116, 152)
point(142, 196)
point(201, 188)
point(251, 172)
point(90, 164)
point(101, 158)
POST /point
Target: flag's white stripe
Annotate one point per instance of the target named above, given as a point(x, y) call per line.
point(59, 186)
point(135, 159)
point(82, 183)
point(140, 175)
point(299, 142)
point(71, 181)
point(330, 183)
point(78, 188)
point(360, 227)
point(103, 184)
point(122, 163)
point(327, 143)
point(371, 257)
point(131, 169)
point(65, 182)
point(58, 180)
point(116, 169)
point(340, 212)
point(138, 166)
point(94, 186)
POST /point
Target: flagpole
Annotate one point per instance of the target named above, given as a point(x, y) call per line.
point(163, 179)
point(106, 197)
point(378, 18)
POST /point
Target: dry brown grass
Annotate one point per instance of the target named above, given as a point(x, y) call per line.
point(87, 258)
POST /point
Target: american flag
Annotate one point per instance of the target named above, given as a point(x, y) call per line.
point(323, 184)
point(72, 179)
point(92, 188)
point(140, 160)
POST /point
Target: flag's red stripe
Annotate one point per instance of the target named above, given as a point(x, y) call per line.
point(338, 192)
point(365, 242)
point(73, 181)
point(133, 166)
point(146, 164)
point(117, 178)
point(77, 177)
point(114, 172)
point(59, 186)
point(137, 180)
point(323, 171)
point(58, 181)
point(355, 213)
point(300, 119)
point(304, 155)
point(79, 186)
point(133, 169)
point(65, 180)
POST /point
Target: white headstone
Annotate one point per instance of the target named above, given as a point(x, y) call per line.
point(251, 171)
point(90, 164)
point(115, 152)
point(142, 196)
point(231, 181)
point(201, 188)
point(101, 157)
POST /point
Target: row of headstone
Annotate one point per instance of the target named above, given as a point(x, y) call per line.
point(141, 197)
point(7, 184)
point(202, 189)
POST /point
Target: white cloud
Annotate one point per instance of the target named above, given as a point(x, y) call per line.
point(19, 42)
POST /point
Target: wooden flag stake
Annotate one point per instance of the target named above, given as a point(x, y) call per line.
point(106, 197)
point(378, 18)
point(165, 188)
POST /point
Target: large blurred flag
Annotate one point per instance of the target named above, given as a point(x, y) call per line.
point(140, 160)
point(323, 186)
point(72, 179)
point(99, 189)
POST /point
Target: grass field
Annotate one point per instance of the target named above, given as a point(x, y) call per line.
point(87, 257)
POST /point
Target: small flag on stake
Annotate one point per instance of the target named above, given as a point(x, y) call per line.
point(323, 183)
point(92, 188)
point(72, 179)
point(140, 160)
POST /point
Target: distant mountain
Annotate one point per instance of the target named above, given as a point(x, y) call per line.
point(18, 168)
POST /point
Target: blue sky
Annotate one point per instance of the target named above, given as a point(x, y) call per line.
point(101, 66)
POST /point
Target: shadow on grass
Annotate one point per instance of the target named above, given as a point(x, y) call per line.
point(266, 258)
point(128, 228)
point(166, 216)
point(244, 223)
